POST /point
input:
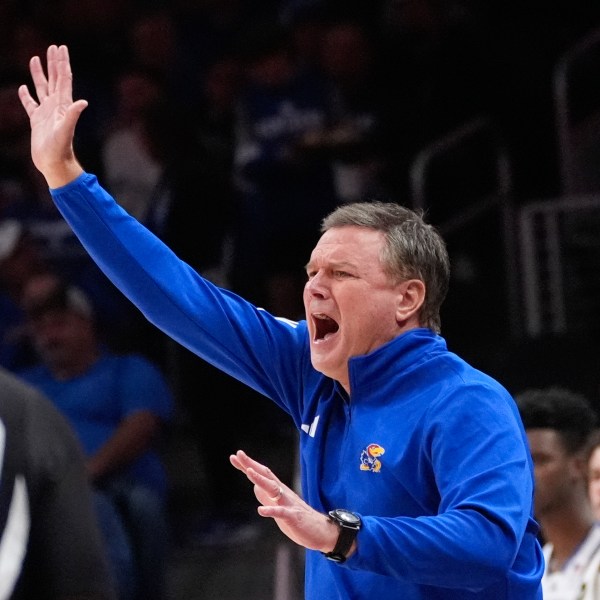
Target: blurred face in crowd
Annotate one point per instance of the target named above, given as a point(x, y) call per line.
point(346, 53)
point(63, 332)
point(22, 263)
point(273, 70)
point(557, 472)
point(65, 341)
point(594, 480)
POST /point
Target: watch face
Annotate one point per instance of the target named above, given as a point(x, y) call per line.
point(347, 516)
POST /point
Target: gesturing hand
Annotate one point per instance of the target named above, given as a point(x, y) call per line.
point(296, 519)
point(53, 117)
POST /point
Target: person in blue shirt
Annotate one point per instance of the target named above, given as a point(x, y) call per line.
point(416, 479)
point(118, 405)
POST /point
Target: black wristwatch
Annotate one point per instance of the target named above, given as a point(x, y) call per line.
point(349, 524)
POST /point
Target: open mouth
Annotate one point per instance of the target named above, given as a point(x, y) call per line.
point(324, 326)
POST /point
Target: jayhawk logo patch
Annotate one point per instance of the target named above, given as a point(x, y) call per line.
point(369, 458)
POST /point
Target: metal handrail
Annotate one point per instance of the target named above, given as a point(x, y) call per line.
point(423, 160)
point(547, 213)
point(499, 198)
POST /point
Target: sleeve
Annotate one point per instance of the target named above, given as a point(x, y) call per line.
point(66, 557)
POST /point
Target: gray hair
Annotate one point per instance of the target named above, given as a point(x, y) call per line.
point(413, 249)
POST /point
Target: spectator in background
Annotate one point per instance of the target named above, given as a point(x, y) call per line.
point(24, 200)
point(306, 26)
point(196, 149)
point(22, 255)
point(362, 136)
point(153, 163)
point(153, 160)
point(20, 260)
point(16, 178)
point(594, 472)
point(559, 423)
point(285, 188)
point(100, 33)
point(209, 28)
point(118, 406)
point(154, 44)
point(51, 545)
point(131, 169)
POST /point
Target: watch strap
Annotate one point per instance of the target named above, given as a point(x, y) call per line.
point(345, 539)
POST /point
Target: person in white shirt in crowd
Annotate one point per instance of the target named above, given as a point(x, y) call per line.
point(559, 423)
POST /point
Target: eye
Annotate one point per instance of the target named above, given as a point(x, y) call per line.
point(341, 274)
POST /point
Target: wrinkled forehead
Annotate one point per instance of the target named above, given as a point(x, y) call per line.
point(355, 249)
point(351, 239)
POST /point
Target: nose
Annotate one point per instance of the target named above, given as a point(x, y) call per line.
point(317, 285)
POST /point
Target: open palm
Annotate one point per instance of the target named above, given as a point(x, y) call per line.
point(54, 115)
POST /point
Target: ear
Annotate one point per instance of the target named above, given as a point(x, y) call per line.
point(410, 299)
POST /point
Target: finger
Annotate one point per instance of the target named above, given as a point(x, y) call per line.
point(250, 463)
point(278, 495)
point(52, 67)
point(73, 113)
point(29, 104)
point(270, 486)
point(235, 461)
point(39, 78)
point(274, 511)
point(64, 76)
point(241, 461)
point(267, 485)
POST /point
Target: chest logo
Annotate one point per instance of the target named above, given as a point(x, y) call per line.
point(369, 458)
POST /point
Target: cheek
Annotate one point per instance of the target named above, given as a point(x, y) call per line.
point(380, 319)
point(547, 475)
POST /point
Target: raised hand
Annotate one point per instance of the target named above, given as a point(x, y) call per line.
point(53, 117)
point(296, 519)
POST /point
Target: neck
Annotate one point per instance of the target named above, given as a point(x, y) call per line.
point(566, 530)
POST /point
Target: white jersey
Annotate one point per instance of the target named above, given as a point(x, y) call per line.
point(578, 579)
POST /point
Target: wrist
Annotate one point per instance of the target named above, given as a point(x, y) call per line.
point(333, 533)
point(62, 173)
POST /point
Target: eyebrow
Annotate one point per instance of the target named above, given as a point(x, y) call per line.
point(344, 264)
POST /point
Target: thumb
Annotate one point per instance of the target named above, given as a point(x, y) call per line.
point(74, 112)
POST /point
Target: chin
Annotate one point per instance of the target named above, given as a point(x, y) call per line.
point(325, 367)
